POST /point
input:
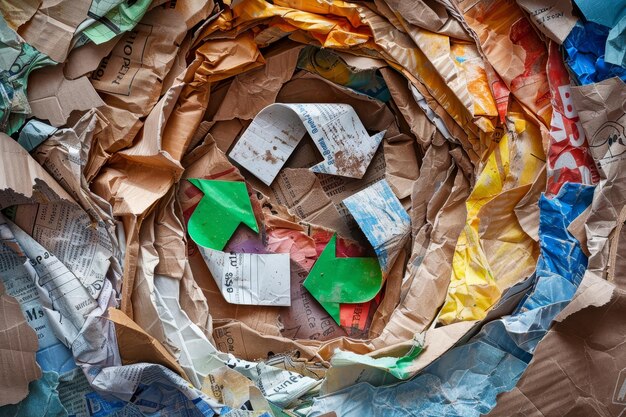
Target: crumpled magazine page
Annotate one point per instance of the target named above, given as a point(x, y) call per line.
point(294, 208)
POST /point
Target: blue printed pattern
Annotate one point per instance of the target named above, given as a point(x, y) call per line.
point(382, 218)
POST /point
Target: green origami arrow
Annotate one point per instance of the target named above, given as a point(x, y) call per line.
point(334, 281)
point(224, 206)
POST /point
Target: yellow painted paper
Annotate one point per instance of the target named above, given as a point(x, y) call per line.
point(493, 251)
point(470, 63)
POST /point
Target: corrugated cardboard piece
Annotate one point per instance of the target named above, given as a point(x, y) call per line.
point(53, 97)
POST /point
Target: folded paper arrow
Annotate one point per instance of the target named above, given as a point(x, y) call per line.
point(243, 278)
point(225, 205)
point(383, 220)
point(336, 129)
point(334, 281)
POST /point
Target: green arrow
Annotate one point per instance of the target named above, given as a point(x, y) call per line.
point(334, 281)
point(224, 206)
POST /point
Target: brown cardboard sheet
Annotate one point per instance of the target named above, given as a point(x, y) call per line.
point(137, 346)
point(426, 283)
point(53, 97)
point(18, 345)
point(52, 27)
point(601, 112)
point(579, 368)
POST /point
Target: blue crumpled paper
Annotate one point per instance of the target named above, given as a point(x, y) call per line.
point(43, 399)
point(597, 11)
point(34, 133)
point(585, 54)
point(612, 15)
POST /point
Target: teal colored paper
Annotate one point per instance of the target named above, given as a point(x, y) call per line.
point(602, 12)
point(17, 61)
point(34, 133)
point(43, 400)
point(616, 44)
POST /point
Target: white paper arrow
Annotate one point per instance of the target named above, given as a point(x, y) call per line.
point(336, 129)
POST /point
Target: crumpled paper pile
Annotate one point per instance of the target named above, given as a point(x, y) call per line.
point(312, 208)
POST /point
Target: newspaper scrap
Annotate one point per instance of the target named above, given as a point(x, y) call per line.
point(449, 242)
point(62, 308)
point(336, 130)
point(279, 386)
point(18, 276)
point(243, 278)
